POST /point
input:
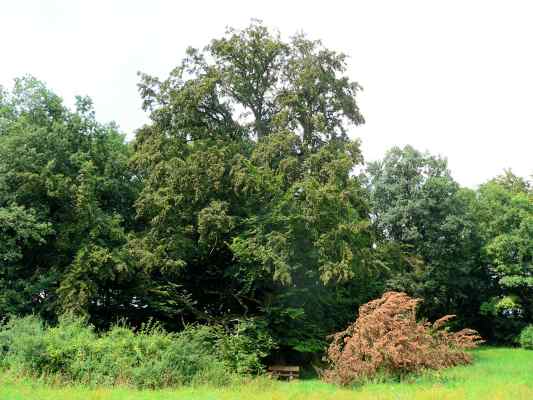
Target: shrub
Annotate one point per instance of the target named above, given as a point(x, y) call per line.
point(22, 344)
point(149, 358)
point(526, 337)
point(386, 339)
point(244, 348)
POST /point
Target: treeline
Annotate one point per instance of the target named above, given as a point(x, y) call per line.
point(239, 202)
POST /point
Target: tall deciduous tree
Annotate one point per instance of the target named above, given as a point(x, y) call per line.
point(250, 202)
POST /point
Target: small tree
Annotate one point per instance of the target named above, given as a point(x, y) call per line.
point(386, 338)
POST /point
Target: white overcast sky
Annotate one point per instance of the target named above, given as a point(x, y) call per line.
point(451, 77)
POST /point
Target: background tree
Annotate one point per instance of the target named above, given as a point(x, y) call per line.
point(65, 200)
point(505, 212)
point(426, 220)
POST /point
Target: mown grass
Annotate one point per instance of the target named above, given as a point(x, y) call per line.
point(497, 373)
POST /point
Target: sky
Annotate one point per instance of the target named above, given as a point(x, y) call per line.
point(454, 78)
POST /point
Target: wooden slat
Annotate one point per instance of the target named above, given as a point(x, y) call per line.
point(284, 368)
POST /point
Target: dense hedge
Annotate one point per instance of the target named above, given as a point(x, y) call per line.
point(149, 358)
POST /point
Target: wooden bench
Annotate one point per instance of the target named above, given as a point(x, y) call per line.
point(284, 371)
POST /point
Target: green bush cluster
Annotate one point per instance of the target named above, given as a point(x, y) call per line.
point(246, 346)
point(526, 337)
point(148, 358)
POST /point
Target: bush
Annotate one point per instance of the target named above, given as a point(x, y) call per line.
point(21, 343)
point(526, 337)
point(245, 346)
point(149, 358)
point(387, 340)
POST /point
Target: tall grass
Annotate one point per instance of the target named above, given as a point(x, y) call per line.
point(497, 374)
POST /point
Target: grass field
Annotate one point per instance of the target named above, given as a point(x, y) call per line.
point(496, 374)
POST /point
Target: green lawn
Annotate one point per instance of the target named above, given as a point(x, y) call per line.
point(496, 374)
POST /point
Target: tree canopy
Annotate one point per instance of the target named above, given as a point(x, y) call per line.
point(248, 199)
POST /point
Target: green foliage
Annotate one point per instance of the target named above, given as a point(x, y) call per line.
point(66, 196)
point(507, 306)
point(526, 337)
point(20, 229)
point(149, 358)
point(21, 343)
point(249, 201)
point(244, 349)
point(427, 224)
point(505, 214)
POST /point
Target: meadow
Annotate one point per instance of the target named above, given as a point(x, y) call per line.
point(496, 374)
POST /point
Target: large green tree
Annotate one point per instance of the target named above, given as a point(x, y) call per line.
point(249, 200)
point(66, 199)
